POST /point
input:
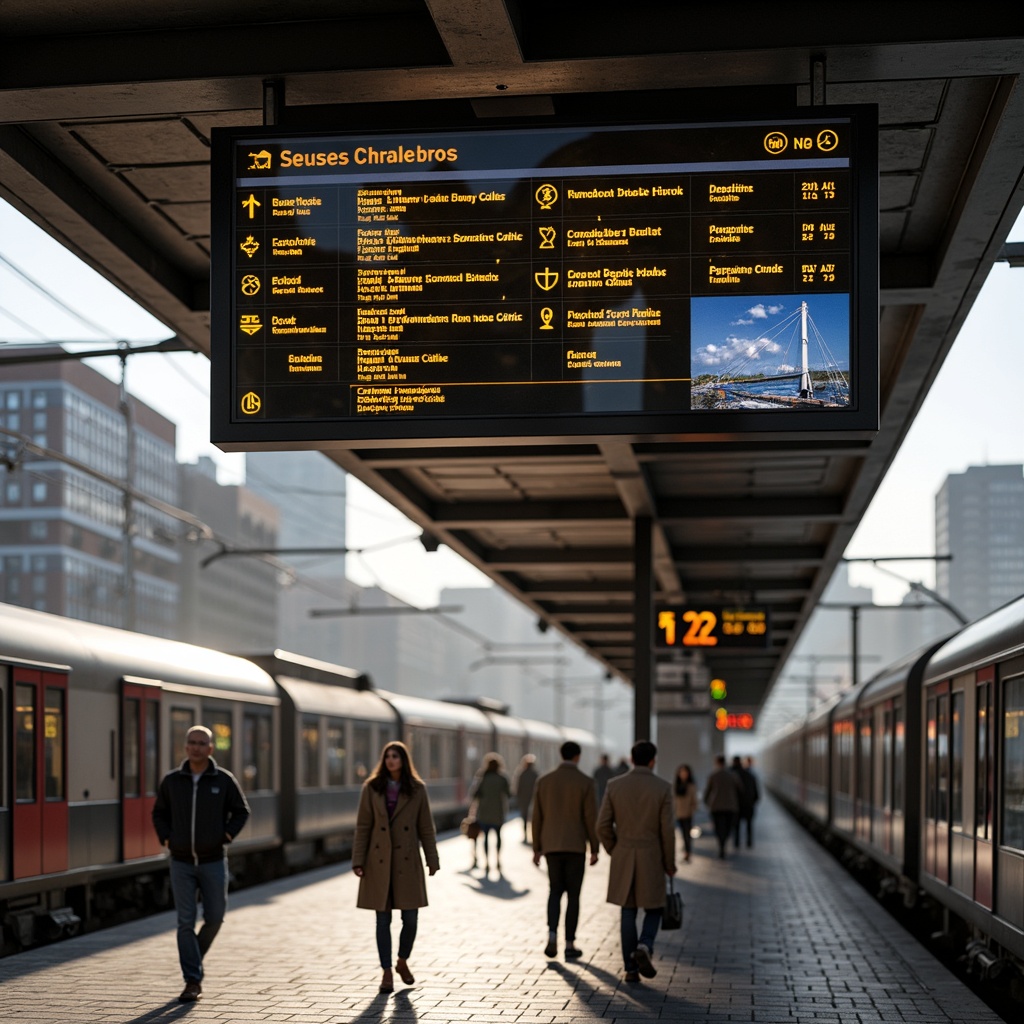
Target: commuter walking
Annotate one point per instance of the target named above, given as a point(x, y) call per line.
point(685, 797)
point(198, 812)
point(523, 783)
point(635, 827)
point(491, 792)
point(602, 774)
point(564, 824)
point(748, 798)
point(392, 823)
point(722, 799)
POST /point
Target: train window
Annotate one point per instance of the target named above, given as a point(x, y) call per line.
point(25, 743)
point(362, 753)
point(1013, 763)
point(898, 757)
point(256, 749)
point(984, 776)
point(883, 757)
point(448, 759)
point(53, 744)
point(336, 752)
point(942, 758)
point(864, 761)
point(151, 754)
point(957, 765)
point(931, 786)
point(130, 782)
point(182, 719)
point(309, 754)
point(218, 721)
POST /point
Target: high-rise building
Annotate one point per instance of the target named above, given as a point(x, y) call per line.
point(309, 492)
point(979, 520)
point(69, 542)
point(229, 603)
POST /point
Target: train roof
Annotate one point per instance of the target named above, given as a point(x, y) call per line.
point(421, 711)
point(887, 682)
point(998, 635)
point(542, 730)
point(98, 654)
point(317, 698)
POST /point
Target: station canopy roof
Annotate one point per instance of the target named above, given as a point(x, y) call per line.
point(106, 109)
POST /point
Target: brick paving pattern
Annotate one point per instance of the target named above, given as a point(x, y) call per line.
point(777, 934)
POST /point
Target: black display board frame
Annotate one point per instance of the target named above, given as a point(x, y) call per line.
point(305, 391)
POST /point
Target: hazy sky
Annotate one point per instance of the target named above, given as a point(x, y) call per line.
point(971, 416)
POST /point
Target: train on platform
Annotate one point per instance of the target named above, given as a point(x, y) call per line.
point(916, 778)
point(92, 717)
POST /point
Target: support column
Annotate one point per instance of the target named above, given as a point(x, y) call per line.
point(643, 618)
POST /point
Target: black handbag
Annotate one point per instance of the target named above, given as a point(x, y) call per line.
point(672, 915)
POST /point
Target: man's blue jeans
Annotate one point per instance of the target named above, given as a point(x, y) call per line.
point(652, 922)
point(189, 881)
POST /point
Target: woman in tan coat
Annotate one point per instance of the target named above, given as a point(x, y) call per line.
point(394, 819)
point(685, 797)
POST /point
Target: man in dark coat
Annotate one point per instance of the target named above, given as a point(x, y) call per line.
point(564, 823)
point(722, 799)
point(635, 827)
point(199, 810)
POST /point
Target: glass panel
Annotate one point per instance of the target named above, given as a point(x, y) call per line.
point(151, 751)
point(309, 768)
point(1013, 763)
point(362, 753)
point(218, 721)
point(984, 775)
point(256, 752)
point(335, 753)
point(131, 766)
point(25, 743)
point(864, 762)
point(942, 757)
point(898, 755)
point(182, 719)
point(53, 744)
point(931, 763)
point(887, 746)
point(957, 766)
point(3, 753)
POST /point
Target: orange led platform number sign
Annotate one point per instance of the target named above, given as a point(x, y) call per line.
point(707, 627)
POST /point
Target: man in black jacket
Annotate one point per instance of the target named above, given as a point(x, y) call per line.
point(199, 809)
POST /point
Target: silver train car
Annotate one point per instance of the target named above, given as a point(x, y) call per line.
point(91, 718)
point(917, 778)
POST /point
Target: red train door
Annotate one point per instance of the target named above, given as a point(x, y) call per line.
point(140, 739)
point(40, 811)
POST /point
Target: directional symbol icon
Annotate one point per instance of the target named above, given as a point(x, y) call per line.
point(250, 284)
point(546, 196)
point(250, 323)
point(251, 403)
point(547, 238)
point(546, 279)
point(249, 246)
point(250, 204)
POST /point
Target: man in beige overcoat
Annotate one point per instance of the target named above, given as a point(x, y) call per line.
point(564, 823)
point(635, 827)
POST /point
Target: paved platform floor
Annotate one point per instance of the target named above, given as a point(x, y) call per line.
point(778, 933)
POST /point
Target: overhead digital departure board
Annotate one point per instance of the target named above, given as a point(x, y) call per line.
point(646, 280)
